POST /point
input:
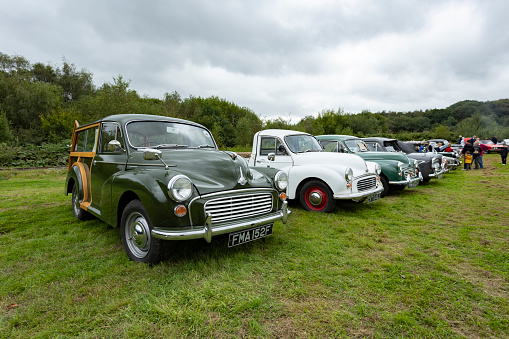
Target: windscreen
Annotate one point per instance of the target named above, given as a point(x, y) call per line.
point(162, 134)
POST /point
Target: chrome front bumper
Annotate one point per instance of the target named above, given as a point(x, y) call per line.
point(359, 195)
point(208, 230)
point(435, 174)
point(411, 182)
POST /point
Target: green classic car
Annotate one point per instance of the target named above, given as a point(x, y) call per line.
point(398, 171)
point(160, 178)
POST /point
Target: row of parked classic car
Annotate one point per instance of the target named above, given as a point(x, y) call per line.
point(160, 179)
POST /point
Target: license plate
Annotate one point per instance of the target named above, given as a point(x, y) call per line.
point(373, 198)
point(241, 237)
point(413, 184)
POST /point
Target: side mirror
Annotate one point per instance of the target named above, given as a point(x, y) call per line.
point(151, 154)
point(271, 156)
point(114, 146)
point(281, 149)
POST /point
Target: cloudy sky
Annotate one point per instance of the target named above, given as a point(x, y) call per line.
point(286, 58)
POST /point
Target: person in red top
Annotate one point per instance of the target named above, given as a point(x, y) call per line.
point(484, 148)
point(448, 149)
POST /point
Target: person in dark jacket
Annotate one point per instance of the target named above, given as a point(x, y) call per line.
point(503, 153)
point(469, 147)
point(477, 154)
point(494, 139)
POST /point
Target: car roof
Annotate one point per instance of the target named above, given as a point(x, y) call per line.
point(337, 136)
point(280, 132)
point(378, 139)
point(125, 118)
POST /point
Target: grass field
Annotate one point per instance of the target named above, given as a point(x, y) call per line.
point(427, 262)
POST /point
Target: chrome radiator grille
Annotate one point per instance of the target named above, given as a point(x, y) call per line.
point(410, 173)
point(366, 184)
point(237, 207)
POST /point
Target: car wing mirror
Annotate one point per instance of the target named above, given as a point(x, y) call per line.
point(155, 154)
point(151, 154)
point(282, 149)
point(114, 146)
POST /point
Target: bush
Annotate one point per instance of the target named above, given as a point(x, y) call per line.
point(45, 155)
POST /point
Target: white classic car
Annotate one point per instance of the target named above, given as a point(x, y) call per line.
point(315, 177)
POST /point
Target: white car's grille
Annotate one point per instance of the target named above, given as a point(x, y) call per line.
point(366, 184)
point(237, 207)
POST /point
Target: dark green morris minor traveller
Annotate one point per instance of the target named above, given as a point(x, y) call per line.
point(160, 178)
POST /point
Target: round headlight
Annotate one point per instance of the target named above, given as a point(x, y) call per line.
point(349, 174)
point(180, 188)
point(378, 169)
point(281, 180)
point(400, 166)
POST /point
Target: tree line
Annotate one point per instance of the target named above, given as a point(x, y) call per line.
point(39, 103)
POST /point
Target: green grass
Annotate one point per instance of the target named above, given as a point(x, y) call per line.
point(427, 262)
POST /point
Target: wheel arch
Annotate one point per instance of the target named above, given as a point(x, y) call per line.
point(299, 175)
point(124, 200)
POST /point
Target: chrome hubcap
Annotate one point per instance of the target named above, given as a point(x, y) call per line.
point(315, 198)
point(137, 235)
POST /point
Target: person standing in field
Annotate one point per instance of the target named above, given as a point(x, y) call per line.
point(469, 147)
point(476, 154)
point(468, 161)
point(484, 148)
point(503, 153)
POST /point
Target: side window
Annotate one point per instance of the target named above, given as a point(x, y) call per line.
point(87, 140)
point(372, 146)
point(271, 145)
point(110, 131)
point(330, 146)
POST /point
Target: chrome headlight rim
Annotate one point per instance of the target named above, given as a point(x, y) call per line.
point(281, 180)
point(378, 169)
point(349, 174)
point(184, 188)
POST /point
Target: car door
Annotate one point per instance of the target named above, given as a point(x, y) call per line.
point(110, 159)
point(83, 150)
point(273, 145)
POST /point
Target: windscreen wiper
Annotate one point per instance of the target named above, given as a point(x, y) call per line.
point(167, 146)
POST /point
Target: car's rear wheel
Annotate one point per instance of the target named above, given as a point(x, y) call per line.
point(79, 213)
point(138, 242)
point(317, 196)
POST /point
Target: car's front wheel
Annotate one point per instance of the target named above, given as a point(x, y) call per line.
point(138, 242)
point(385, 184)
point(317, 196)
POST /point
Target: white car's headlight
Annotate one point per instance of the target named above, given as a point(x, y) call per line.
point(281, 180)
point(349, 174)
point(180, 188)
point(378, 169)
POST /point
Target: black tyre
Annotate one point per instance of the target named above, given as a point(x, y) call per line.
point(135, 228)
point(79, 213)
point(425, 173)
point(317, 196)
point(385, 184)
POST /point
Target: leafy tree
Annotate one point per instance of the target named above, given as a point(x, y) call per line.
point(443, 132)
point(58, 124)
point(5, 131)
